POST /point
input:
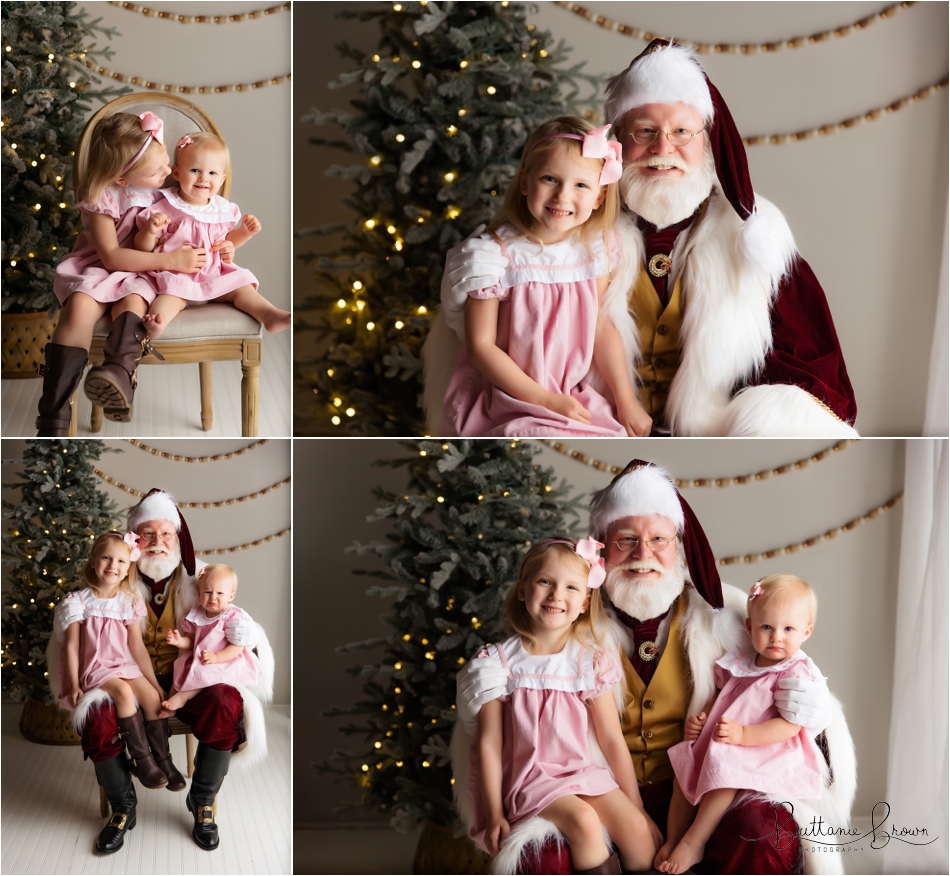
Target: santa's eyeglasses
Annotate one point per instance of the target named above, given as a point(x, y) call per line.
point(680, 137)
point(655, 545)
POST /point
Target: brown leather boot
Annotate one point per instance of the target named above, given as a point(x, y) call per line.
point(111, 385)
point(611, 865)
point(132, 730)
point(61, 372)
point(157, 734)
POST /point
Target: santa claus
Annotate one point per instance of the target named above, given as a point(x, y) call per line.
point(726, 328)
point(224, 719)
point(670, 620)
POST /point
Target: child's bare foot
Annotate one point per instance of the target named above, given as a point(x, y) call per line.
point(279, 322)
point(154, 324)
point(683, 857)
point(175, 701)
point(663, 854)
point(166, 713)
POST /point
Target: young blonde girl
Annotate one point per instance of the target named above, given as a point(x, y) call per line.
point(744, 743)
point(105, 651)
point(530, 753)
point(206, 657)
point(530, 340)
point(195, 215)
point(127, 162)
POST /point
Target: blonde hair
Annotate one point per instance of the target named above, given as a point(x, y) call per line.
point(590, 624)
point(89, 574)
point(514, 209)
point(218, 570)
point(115, 140)
point(785, 589)
point(204, 139)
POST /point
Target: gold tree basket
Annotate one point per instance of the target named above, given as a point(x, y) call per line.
point(47, 725)
point(23, 342)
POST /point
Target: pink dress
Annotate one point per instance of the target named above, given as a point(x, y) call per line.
point(82, 270)
point(197, 226)
point(545, 751)
point(791, 768)
point(546, 323)
point(103, 641)
point(209, 634)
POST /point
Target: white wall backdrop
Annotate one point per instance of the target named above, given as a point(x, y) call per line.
point(264, 571)
point(255, 123)
point(855, 574)
point(866, 205)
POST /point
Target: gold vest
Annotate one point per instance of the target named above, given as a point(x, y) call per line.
point(161, 653)
point(653, 718)
point(659, 330)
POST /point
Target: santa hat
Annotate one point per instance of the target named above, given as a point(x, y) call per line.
point(159, 505)
point(666, 72)
point(643, 489)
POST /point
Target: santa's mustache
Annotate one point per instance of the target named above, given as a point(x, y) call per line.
point(639, 566)
point(661, 161)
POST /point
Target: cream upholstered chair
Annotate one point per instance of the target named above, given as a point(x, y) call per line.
point(202, 333)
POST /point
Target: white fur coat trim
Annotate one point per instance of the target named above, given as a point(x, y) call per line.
point(780, 411)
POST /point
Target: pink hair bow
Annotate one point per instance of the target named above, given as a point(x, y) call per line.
point(184, 141)
point(156, 131)
point(587, 548)
point(596, 145)
point(756, 590)
point(132, 540)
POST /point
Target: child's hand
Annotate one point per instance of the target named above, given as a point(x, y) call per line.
point(250, 223)
point(568, 406)
point(694, 725)
point(495, 834)
point(209, 657)
point(156, 222)
point(187, 259)
point(226, 250)
point(634, 419)
point(173, 637)
point(729, 731)
point(75, 692)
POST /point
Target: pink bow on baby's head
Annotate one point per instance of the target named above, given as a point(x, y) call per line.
point(587, 548)
point(156, 131)
point(132, 540)
point(596, 145)
point(756, 590)
point(184, 141)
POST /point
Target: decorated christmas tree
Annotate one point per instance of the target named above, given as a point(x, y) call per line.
point(449, 98)
point(469, 511)
point(47, 94)
point(59, 515)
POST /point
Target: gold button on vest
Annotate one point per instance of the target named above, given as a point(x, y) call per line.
point(650, 730)
point(659, 331)
point(163, 655)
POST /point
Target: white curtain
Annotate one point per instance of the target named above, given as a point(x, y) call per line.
point(937, 414)
point(917, 775)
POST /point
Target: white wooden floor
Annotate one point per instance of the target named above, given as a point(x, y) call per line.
point(167, 400)
point(50, 812)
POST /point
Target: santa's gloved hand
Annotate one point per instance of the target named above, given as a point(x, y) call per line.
point(470, 265)
point(241, 630)
point(69, 611)
point(804, 702)
point(480, 682)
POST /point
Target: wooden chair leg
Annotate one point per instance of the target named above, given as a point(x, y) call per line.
point(250, 387)
point(204, 380)
point(104, 808)
point(190, 753)
point(95, 419)
point(73, 429)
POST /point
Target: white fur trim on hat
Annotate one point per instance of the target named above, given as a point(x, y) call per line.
point(158, 506)
point(668, 75)
point(644, 492)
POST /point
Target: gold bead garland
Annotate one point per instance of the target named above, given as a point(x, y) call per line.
point(738, 48)
point(185, 89)
point(683, 483)
point(870, 116)
point(811, 542)
point(243, 547)
point(201, 19)
point(220, 504)
point(177, 458)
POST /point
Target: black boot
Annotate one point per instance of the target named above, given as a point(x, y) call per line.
point(157, 733)
point(211, 766)
point(61, 372)
point(111, 385)
point(115, 777)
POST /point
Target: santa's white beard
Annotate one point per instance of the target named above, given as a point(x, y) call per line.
point(645, 598)
point(664, 201)
point(158, 566)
